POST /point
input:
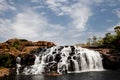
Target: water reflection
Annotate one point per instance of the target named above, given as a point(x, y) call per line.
point(38, 77)
point(102, 75)
point(63, 77)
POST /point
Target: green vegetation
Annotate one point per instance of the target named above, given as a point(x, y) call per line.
point(7, 60)
point(16, 45)
point(110, 40)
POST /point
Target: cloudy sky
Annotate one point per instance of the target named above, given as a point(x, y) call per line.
point(64, 22)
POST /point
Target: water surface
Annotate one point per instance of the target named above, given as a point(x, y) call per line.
point(101, 75)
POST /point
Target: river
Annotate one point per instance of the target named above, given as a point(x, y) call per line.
point(95, 75)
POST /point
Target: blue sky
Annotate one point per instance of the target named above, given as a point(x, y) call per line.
point(64, 22)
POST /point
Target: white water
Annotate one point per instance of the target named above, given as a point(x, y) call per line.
point(18, 61)
point(65, 58)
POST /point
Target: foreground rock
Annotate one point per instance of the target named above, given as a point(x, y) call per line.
point(7, 71)
point(4, 72)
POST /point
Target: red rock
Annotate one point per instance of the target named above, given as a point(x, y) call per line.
point(4, 72)
point(22, 46)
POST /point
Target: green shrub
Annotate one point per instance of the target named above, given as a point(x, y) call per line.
point(7, 60)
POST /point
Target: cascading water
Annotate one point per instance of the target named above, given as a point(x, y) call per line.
point(18, 61)
point(65, 59)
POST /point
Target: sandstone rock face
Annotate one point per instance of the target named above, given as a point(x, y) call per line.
point(43, 43)
point(29, 48)
point(4, 72)
point(7, 71)
point(22, 46)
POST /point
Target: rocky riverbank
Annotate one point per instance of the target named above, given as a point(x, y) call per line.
point(111, 57)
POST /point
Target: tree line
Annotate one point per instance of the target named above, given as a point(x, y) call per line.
point(109, 40)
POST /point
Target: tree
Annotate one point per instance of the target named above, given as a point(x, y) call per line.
point(94, 40)
point(117, 30)
point(117, 37)
point(7, 60)
point(99, 41)
point(108, 40)
point(89, 41)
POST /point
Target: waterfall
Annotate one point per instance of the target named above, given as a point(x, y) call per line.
point(18, 64)
point(65, 59)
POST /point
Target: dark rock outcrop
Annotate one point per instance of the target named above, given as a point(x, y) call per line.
point(111, 60)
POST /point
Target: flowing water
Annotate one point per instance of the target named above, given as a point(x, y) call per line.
point(64, 59)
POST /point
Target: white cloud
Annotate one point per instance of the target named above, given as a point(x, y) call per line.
point(111, 29)
point(30, 24)
point(80, 16)
point(113, 3)
point(36, 0)
point(79, 11)
point(33, 26)
point(118, 24)
point(5, 29)
point(38, 7)
point(26, 23)
point(118, 13)
point(4, 6)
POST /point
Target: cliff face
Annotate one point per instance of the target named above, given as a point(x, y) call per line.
point(22, 46)
point(111, 59)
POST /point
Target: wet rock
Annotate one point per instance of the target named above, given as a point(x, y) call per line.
point(72, 53)
point(57, 57)
point(28, 59)
point(71, 66)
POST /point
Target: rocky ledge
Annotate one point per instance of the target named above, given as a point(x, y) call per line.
point(22, 46)
point(111, 57)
